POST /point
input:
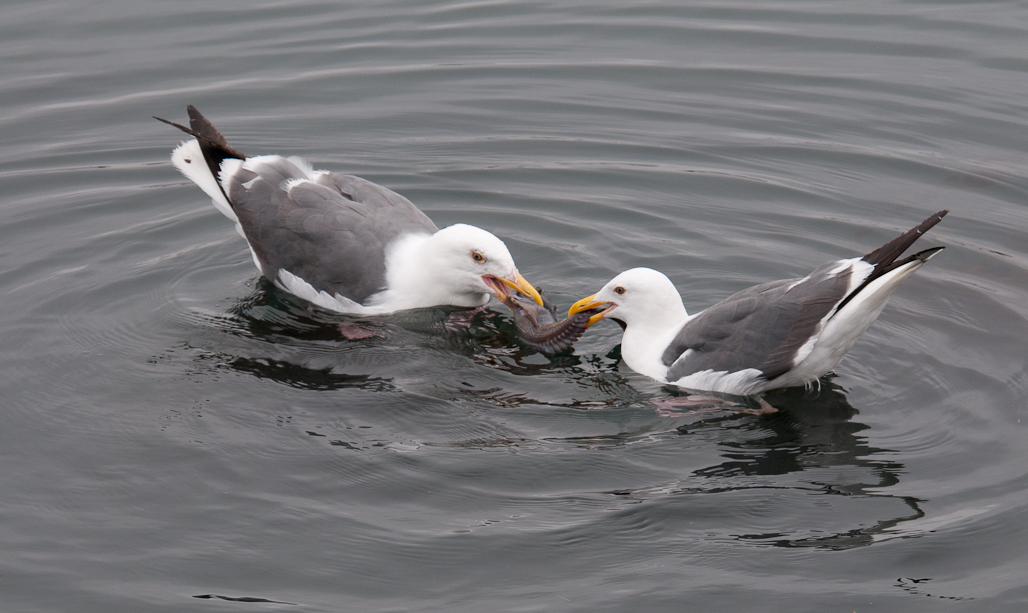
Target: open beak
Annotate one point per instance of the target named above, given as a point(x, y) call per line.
point(499, 286)
point(589, 303)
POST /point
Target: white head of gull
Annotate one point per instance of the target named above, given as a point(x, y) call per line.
point(773, 335)
point(460, 265)
point(342, 242)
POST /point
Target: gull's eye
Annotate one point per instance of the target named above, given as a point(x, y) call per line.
point(478, 257)
point(619, 290)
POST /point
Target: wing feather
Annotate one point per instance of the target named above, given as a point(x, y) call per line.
point(763, 327)
point(330, 230)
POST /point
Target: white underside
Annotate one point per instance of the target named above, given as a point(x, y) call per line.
point(742, 382)
point(333, 302)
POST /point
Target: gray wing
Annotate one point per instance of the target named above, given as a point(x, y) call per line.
point(331, 232)
point(762, 327)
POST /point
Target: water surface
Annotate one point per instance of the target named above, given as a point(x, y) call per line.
point(178, 434)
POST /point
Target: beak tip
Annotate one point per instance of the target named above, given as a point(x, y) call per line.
point(522, 285)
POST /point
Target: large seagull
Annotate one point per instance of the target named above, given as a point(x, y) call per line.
point(777, 334)
point(341, 242)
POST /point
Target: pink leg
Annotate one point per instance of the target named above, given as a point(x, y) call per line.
point(353, 331)
point(669, 407)
point(458, 321)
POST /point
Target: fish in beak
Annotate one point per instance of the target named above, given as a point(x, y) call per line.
point(502, 285)
point(589, 303)
point(538, 326)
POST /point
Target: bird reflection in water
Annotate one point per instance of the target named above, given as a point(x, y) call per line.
point(304, 377)
point(274, 336)
point(812, 431)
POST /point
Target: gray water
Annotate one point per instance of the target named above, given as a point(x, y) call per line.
point(176, 432)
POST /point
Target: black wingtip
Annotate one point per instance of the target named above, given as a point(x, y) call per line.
point(177, 125)
point(928, 253)
point(934, 219)
point(924, 256)
point(883, 257)
point(205, 132)
point(202, 126)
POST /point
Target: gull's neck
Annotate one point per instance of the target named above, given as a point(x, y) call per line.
point(647, 335)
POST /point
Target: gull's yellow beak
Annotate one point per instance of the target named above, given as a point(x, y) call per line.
point(589, 303)
point(519, 284)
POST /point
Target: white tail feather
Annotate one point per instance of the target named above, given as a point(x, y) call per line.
point(188, 159)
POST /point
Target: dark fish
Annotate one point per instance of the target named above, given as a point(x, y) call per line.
point(538, 326)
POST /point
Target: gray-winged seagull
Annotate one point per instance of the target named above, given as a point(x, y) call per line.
point(776, 334)
point(341, 242)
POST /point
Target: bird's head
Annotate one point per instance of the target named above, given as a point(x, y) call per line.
point(478, 263)
point(636, 296)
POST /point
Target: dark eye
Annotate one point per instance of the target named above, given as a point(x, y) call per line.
point(478, 257)
point(619, 290)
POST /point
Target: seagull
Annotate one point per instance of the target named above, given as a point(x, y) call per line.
point(778, 334)
point(342, 242)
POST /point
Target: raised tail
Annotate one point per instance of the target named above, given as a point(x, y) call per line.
point(213, 148)
point(884, 258)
